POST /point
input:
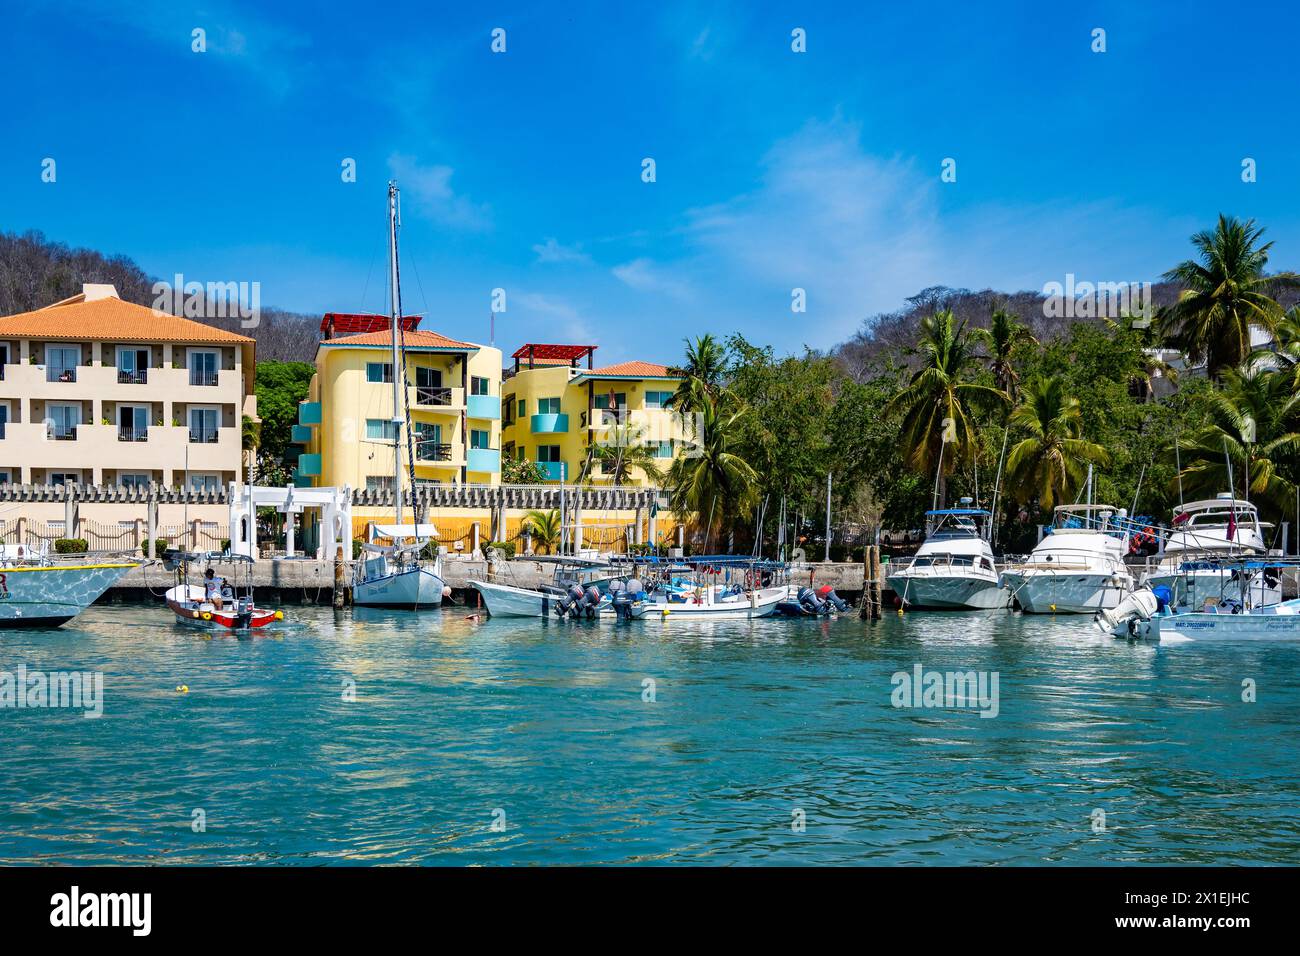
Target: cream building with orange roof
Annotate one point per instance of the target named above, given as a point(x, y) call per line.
point(99, 391)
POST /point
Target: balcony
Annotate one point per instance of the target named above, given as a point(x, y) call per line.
point(484, 406)
point(55, 373)
point(484, 459)
point(301, 434)
point(436, 398)
point(204, 436)
point(201, 377)
point(308, 466)
point(129, 433)
point(309, 413)
point(138, 377)
point(62, 433)
point(426, 450)
point(552, 470)
point(550, 424)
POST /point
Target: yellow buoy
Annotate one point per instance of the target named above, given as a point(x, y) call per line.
point(207, 616)
point(279, 615)
point(182, 688)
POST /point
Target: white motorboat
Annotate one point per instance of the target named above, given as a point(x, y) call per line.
point(510, 600)
point(38, 592)
point(396, 575)
point(1078, 567)
point(714, 602)
point(954, 568)
point(1150, 615)
point(1203, 533)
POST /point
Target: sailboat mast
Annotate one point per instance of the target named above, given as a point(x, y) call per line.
point(397, 360)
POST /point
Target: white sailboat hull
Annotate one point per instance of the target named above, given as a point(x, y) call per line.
point(53, 595)
point(1066, 592)
point(410, 587)
point(947, 592)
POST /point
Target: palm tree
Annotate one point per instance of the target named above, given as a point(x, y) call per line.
point(702, 377)
point(1052, 460)
point(710, 479)
point(936, 401)
point(622, 450)
point(1001, 339)
point(1251, 422)
point(1224, 295)
point(1285, 353)
point(543, 527)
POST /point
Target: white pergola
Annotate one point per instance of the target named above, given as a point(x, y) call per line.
point(335, 506)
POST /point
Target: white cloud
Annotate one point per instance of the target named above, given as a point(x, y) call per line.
point(428, 190)
point(553, 252)
point(645, 275)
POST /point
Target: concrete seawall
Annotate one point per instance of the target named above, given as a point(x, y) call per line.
point(312, 582)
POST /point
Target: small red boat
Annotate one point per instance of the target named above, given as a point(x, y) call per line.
point(221, 606)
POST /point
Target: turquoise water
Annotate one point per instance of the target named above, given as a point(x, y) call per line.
point(454, 720)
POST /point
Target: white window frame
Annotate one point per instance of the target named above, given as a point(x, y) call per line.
point(192, 353)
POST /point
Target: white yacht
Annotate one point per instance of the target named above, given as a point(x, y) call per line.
point(954, 568)
point(1078, 567)
point(1203, 534)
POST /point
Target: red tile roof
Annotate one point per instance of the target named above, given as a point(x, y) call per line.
point(110, 319)
point(631, 370)
point(413, 340)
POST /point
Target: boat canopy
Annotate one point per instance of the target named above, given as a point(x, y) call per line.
point(396, 531)
point(968, 512)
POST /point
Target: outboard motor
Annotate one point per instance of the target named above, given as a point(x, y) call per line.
point(827, 594)
point(811, 603)
point(622, 600)
point(590, 601)
point(570, 601)
point(1125, 618)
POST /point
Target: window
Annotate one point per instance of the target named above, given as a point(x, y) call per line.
point(548, 453)
point(63, 478)
point(379, 482)
point(657, 399)
point(662, 449)
point(523, 409)
point(620, 400)
point(133, 423)
point(63, 419)
point(428, 387)
point(478, 385)
point(132, 365)
point(203, 425)
point(6, 477)
point(548, 406)
point(61, 363)
point(429, 445)
point(133, 479)
point(203, 482)
point(4, 417)
point(508, 410)
point(379, 372)
point(381, 429)
point(480, 438)
point(204, 366)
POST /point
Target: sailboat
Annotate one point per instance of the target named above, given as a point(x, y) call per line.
point(396, 574)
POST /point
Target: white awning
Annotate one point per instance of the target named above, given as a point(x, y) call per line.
point(400, 531)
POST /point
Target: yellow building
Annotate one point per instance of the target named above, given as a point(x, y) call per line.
point(347, 426)
point(555, 408)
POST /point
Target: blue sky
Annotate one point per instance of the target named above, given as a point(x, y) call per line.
point(775, 170)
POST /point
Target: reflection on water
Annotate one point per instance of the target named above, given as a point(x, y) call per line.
point(379, 737)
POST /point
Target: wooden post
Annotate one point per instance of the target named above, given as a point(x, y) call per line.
point(340, 582)
point(871, 602)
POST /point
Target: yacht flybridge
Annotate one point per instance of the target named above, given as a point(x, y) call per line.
point(1078, 567)
point(1204, 534)
point(954, 569)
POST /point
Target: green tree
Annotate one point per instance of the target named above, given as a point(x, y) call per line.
point(544, 528)
point(1050, 462)
point(1002, 339)
point(622, 451)
point(703, 377)
point(1224, 295)
point(711, 479)
point(1251, 420)
point(937, 403)
point(280, 387)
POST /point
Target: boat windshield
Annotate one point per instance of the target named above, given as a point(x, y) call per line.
point(956, 523)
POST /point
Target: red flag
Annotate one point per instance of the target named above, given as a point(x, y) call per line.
point(1232, 524)
point(1179, 519)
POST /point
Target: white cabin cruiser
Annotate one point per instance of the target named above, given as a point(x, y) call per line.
point(1078, 567)
point(1204, 533)
point(954, 568)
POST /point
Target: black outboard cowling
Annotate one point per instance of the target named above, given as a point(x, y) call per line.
point(810, 602)
point(590, 601)
point(827, 594)
point(569, 603)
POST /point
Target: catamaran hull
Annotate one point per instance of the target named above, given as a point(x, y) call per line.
point(764, 603)
point(50, 596)
point(1047, 592)
point(947, 593)
point(410, 588)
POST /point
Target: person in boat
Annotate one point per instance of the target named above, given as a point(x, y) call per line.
point(212, 586)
